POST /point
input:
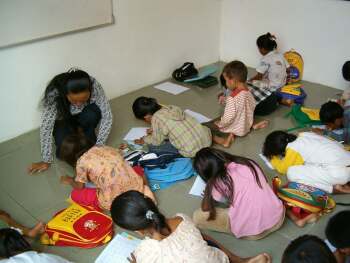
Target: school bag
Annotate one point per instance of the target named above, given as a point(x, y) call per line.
point(178, 170)
point(184, 72)
point(78, 226)
point(296, 66)
point(308, 198)
point(304, 117)
point(292, 92)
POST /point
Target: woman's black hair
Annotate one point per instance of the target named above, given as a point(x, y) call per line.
point(330, 111)
point(346, 70)
point(12, 243)
point(73, 81)
point(276, 142)
point(308, 249)
point(338, 230)
point(267, 42)
point(211, 165)
point(143, 106)
point(134, 211)
point(73, 147)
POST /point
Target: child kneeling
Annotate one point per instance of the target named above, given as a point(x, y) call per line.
point(104, 167)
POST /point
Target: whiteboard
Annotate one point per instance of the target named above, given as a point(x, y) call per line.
point(22, 21)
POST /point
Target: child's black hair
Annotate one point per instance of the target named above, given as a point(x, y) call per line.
point(346, 70)
point(222, 81)
point(267, 42)
point(12, 243)
point(134, 211)
point(143, 106)
point(338, 230)
point(73, 147)
point(308, 249)
point(211, 165)
point(73, 81)
point(236, 70)
point(276, 142)
point(330, 111)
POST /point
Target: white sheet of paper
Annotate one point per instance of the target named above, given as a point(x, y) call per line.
point(199, 117)
point(136, 133)
point(267, 162)
point(119, 249)
point(322, 127)
point(198, 187)
point(171, 88)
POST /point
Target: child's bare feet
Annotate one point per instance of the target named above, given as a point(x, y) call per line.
point(301, 222)
point(38, 229)
point(341, 189)
point(225, 142)
point(260, 125)
point(261, 258)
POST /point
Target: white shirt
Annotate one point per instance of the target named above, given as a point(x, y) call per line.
point(35, 257)
point(273, 66)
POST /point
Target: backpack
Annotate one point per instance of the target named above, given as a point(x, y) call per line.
point(78, 226)
point(296, 66)
point(305, 117)
point(308, 198)
point(290, 94)
point(186, 71)
point(180, 169)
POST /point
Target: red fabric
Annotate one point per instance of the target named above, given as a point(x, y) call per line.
point(139, 170)
point(86, 197)
point(299, 212)
point(235, 92)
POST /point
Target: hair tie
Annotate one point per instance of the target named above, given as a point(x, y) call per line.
point(149, 214)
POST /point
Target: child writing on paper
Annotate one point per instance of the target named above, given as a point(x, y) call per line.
point(254, 210)
point(172, 239)
point(271, 75)
point(309, 159)
point(171, 128)
point(238, 116)
point(104, 167)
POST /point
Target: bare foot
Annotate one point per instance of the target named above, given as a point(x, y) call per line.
point(225, 142)
point(341, 189)
point(39, 228)
point(260, 125)
point(312, 218)
point(261, 258)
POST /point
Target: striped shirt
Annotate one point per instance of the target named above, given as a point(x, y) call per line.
point(238, 115)
point(183, 131)
point(49, 116)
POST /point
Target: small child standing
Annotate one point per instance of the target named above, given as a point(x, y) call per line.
point(171, 128)
point(271, 75)
point(254, 210)
point(238, 116)
point(104, 167)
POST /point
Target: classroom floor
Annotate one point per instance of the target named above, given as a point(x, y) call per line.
point(29, 198)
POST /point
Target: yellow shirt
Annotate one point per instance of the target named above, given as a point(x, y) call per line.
point(291, 158)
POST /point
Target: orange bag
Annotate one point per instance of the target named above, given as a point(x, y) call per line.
point(78, 226)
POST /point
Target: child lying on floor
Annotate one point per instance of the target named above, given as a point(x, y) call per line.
point(104, 167)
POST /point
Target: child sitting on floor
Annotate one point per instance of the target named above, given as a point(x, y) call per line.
point(254, 210)
point(104, 167)
point(173, 239)
point(171, 128)
point(338, 236)
point(238, 116)
point(335, 117)
point(309, 159)
point(6, 221)
point(271, 75)
point(15, 249)
point(307, 248)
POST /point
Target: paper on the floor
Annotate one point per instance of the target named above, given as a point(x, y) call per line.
point(198, 187)
point(119, 249)
point(322, 127)
point(136, 133)
point(267, 162)
point(199, 117)
point(171, 88)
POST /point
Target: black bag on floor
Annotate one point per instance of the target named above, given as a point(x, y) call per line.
point(186, 71)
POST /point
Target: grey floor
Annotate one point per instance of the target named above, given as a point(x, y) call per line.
point(29, 198)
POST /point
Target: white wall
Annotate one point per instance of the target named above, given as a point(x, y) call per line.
point(150, 38)
point(318, 29)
